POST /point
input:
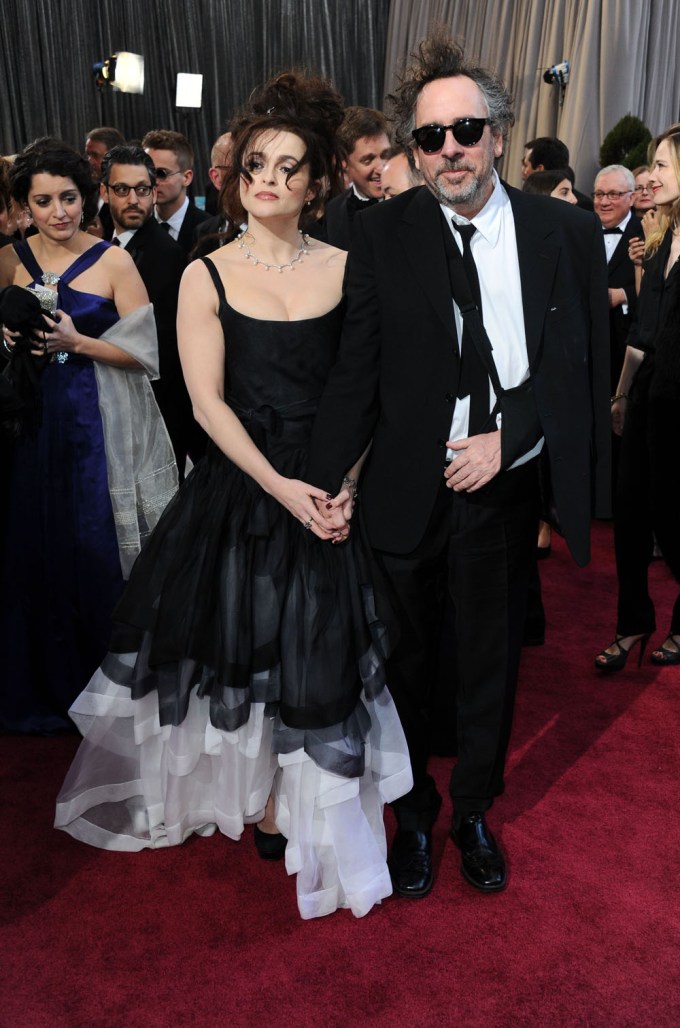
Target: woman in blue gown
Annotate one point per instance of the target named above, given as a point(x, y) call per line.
point(63, 565)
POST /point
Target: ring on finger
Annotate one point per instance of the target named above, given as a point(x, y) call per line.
point(307, 524)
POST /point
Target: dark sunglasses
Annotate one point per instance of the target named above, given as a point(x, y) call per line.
point(466, 131)
point(163, 173)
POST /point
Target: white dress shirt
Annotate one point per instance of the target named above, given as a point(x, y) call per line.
point(124, 237)
point(175, 220)
point(494, 248)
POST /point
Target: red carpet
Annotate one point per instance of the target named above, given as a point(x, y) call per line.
point(587, 933)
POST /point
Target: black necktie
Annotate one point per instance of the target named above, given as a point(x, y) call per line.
point(613, 231)
point(474, 380)
point(165, 225)
point(115, 241)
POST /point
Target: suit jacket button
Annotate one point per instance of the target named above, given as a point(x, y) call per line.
point(441, 443)
point(450, 397)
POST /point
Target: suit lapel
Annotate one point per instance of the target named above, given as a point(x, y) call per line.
point(420, 231)
point(621, 252)
point(136, 245)
point(538, 256)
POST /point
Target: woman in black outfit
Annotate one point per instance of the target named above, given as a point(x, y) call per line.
point(645, 411)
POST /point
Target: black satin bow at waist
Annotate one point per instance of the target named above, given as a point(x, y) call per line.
point(272, 420)
point(291, 423)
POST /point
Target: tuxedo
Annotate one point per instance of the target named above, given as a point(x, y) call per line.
point(161, 262)
point(621, 275)
point(395, 383)
point(192, 219)
point(336, 227)
point(104, 215)
point(211, 234)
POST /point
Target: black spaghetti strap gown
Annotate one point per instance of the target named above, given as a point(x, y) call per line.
point(246, 656)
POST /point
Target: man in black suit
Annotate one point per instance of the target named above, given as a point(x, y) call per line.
point(128, 184)
point(445, 503)
point(364, 140)
point(173, 158)
point(547, 153)
point(218, 230)
point(613, 198)
point(98, 142)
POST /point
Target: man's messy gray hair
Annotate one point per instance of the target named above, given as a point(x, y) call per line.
point(439, 57)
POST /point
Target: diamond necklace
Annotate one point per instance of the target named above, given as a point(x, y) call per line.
point(250, 256)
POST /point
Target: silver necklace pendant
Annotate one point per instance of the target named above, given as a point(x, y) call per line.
point(250, 256)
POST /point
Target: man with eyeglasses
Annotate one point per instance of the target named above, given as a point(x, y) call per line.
point(613, 197)
point(128, 184)
point(173, 158)
point(448, 502)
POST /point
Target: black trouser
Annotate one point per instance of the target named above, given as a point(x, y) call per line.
point(647, 500)
point(480, 547)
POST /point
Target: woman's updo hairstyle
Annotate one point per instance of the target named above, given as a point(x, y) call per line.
point(309, 107)
point(53, 157)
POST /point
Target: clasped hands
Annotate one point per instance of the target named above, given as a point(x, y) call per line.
point(477, 461)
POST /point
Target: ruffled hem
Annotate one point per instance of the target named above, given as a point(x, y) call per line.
point(135, 784)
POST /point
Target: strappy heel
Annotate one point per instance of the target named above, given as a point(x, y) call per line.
point(617, 661)
point(665, 657)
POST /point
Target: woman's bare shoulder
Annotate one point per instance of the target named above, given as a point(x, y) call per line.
point(8, 264)
point(327, 254)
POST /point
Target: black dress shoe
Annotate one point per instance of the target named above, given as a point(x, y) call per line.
point(269, 845)
point(481, 860)
point(410, 863)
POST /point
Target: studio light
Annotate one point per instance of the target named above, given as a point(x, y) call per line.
point(123, 71)
point(189, 90)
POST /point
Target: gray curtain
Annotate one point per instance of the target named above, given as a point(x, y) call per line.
point(625, 57)
point(48, 47)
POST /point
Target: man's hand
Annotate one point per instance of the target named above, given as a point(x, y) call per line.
point(476, 462)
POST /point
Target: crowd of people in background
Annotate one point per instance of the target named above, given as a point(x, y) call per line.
point(157, 350)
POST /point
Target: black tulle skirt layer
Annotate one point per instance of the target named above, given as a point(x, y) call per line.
point(246, 661)
point(234, 599)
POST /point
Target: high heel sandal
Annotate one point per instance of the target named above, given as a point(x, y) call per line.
point(617, 661)
point(665, 657)
point(270, 845)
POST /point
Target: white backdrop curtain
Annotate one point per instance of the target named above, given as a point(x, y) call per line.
point(624, 56)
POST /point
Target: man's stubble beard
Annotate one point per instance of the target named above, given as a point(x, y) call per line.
point(469, 195)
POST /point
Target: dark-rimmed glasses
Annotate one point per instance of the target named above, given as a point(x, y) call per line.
point(611, 194)
point(466, 131)
point(122, 190)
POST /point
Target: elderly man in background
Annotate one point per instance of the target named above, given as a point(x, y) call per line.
point(613, 198)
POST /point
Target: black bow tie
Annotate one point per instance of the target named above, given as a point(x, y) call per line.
point(354, 203)
point(613, 231)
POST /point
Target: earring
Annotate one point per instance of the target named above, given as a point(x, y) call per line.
point(27, 216)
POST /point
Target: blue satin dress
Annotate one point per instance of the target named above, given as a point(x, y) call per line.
point(61, 575)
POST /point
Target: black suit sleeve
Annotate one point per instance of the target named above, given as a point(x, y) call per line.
point(600, 375)
point(349, 406)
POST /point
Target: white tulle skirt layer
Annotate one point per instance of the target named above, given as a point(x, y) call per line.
point(136, 785)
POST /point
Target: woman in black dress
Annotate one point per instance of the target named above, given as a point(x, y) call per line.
point(246, 670)
point(645, 412)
